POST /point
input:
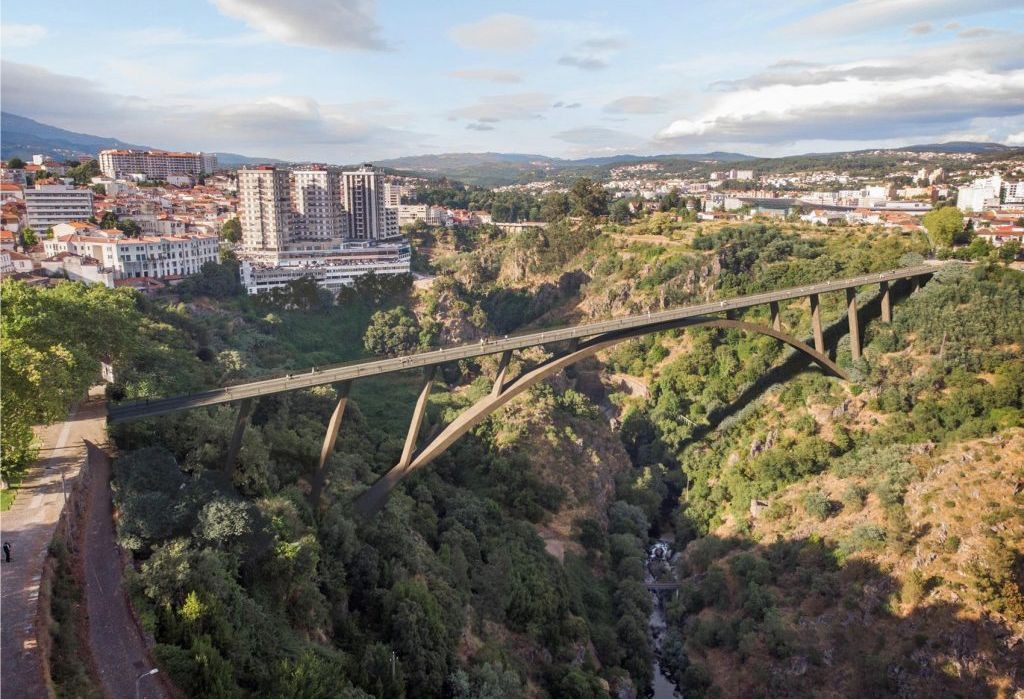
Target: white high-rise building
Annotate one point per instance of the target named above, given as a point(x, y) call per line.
point(316, 200)
point(362, 193)
point(393, 194)
point(155, 164)
point(980, 194)
point(264, 208)
point(49, 204)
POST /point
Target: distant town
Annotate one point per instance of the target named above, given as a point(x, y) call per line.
point(148, 219)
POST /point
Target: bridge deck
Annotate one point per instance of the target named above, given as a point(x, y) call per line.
point(137, 410)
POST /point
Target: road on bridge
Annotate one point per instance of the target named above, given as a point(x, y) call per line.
point(137, 410)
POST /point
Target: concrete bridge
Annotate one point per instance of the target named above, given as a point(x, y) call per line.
point(572, 344)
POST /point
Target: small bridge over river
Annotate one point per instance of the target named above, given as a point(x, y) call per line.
point(571, 344)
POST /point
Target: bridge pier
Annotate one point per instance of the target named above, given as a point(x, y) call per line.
point(499, 378)
point(819, 336)
point(320, 475)
point(854, 323)
point(235, 445)
point(417, 417)
point(773, 306)
point(886, 303)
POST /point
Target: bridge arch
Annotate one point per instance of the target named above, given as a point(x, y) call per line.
point(374, 497)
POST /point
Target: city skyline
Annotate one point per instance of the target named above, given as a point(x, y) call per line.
point(351, 80)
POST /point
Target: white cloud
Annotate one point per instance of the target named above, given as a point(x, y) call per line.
point(284, 126)
point(18, 35)
point(501, 32)
point(637, 104)
point(515, 107)
point(1015, 139)
point(855, 108)
point(583, 62)
point(861, 15)
point(598, 136)
point(488, 75)
point(330, 24)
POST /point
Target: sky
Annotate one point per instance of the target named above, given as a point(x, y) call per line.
point(343, 81)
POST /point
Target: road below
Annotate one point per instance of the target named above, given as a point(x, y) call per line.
point(118, 649)
point(29, 526)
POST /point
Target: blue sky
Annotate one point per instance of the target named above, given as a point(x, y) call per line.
point(349, 80)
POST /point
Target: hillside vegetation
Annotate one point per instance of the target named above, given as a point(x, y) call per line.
point(859, 538)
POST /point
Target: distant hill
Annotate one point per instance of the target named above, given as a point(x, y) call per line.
point(22, 137)
point(495, 169)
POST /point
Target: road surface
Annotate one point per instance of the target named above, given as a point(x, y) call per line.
point(29, 527)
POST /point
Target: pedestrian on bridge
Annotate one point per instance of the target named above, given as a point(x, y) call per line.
point(7, 552)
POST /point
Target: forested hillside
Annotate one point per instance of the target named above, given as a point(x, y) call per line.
point(858, 538)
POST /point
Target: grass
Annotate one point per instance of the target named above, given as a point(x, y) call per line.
point(8, 494)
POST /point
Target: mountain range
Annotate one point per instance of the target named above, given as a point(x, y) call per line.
point(23, 137)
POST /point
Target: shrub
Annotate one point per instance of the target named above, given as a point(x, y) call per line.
point(854, 496)
point(817, 505)
point(913, 587)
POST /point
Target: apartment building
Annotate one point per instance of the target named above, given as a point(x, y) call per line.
point(316, 201)
point(362, 194)
point(146, 256)
point(332, 269)
point(981, 194)
point(155, 164)
point(264, 208)
point(49, 204)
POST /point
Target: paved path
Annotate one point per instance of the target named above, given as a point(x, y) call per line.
point(29, 527)
point(118, 649)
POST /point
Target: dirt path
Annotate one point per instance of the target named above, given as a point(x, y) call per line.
point(29, 527)
point(118, 649)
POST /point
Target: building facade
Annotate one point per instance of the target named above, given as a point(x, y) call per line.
point(49, 204)
point(264, 209)
point(331, 269)
point(362, 194)
point(316, 201)
point(153, 257)
point(155, 164)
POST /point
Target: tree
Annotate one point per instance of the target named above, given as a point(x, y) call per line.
point(29, 237)
point(16, 164)
point(108, 221)
point(588, 198)
point(51, 343)
point(620, 211)
point(392, 332)
point(557, 205)
point(945, 226)
point(231, 231)
point(129, 227)
point(1009, 251)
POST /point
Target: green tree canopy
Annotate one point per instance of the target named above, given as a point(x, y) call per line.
point(945, 226)
point(231, 231)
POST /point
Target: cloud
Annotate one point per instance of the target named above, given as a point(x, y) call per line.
point(583, 62)
point(566, 105)
point(976, 32)
point(501, 32)
point(855, 108)
point(290, 127)
point(921, 28)
point(936, 90)
point(637, 104)
point(18, 35)
point(1015, 139)
point(514, 107)
point(488, 75)
point(604, 43)
point(864, 15)
point(596, 136)
point(479, 127)
point(329, 24)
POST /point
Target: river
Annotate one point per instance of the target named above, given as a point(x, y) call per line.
point(659, 568)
